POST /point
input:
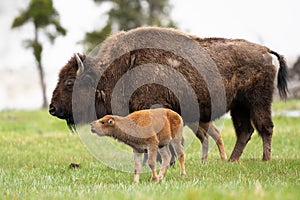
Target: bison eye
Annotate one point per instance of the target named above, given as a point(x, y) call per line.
point(69, 84)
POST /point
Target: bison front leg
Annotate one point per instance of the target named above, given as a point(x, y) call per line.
point(203, 130)
point(209, 129)
point(214, 132)
point(138, 159)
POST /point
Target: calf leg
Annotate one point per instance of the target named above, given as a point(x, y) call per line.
point(145, 158)
point(173, 155)
point(138, 159)
point(152, 161)
point(166, 157)
point(243, 128)
point(172, 161)
point(179, 149)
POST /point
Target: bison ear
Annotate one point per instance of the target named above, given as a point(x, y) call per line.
point(79, 64)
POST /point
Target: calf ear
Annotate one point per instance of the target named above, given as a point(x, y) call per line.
point(111, 122)
point(79, 64)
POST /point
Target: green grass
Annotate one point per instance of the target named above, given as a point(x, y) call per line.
point(292, 104)
point(36, 150)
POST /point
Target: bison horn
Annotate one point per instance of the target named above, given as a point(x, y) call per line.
point(79, 64)
point(101, 95)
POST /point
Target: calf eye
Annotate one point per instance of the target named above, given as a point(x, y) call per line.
point(102, 122)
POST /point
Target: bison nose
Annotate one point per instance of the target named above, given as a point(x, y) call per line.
point(52, 110)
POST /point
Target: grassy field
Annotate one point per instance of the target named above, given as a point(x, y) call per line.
point(37, 149)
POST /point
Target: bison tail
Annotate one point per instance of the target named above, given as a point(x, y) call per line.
point(282, 75)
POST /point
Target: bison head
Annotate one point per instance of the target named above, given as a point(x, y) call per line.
point(73, 98)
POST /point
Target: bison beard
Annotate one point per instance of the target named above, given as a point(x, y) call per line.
point(246, 70)
point(71, 124)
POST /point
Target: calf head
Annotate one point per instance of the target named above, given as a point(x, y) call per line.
point(103, 126)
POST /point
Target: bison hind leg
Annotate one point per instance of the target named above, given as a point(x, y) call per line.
point(262, 121)
point(216, 135)
point(242, 124)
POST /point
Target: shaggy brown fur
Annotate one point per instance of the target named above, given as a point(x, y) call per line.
point(146, 131)
point(246, 70)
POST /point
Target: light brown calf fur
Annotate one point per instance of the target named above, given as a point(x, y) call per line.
point(146, 131)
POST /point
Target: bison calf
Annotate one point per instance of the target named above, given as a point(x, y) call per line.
point(146, 131)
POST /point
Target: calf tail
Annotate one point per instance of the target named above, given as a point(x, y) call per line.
point(282, 75)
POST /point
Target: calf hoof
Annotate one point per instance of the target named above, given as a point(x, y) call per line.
point(136, 181)
point(183, 174)
point(161, 177)
point(155, 179)
point(224, 157)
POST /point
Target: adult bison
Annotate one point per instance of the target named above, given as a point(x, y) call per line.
point(218, 74)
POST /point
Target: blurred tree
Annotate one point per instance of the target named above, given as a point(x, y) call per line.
point(44, 17)
point(129, 14)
